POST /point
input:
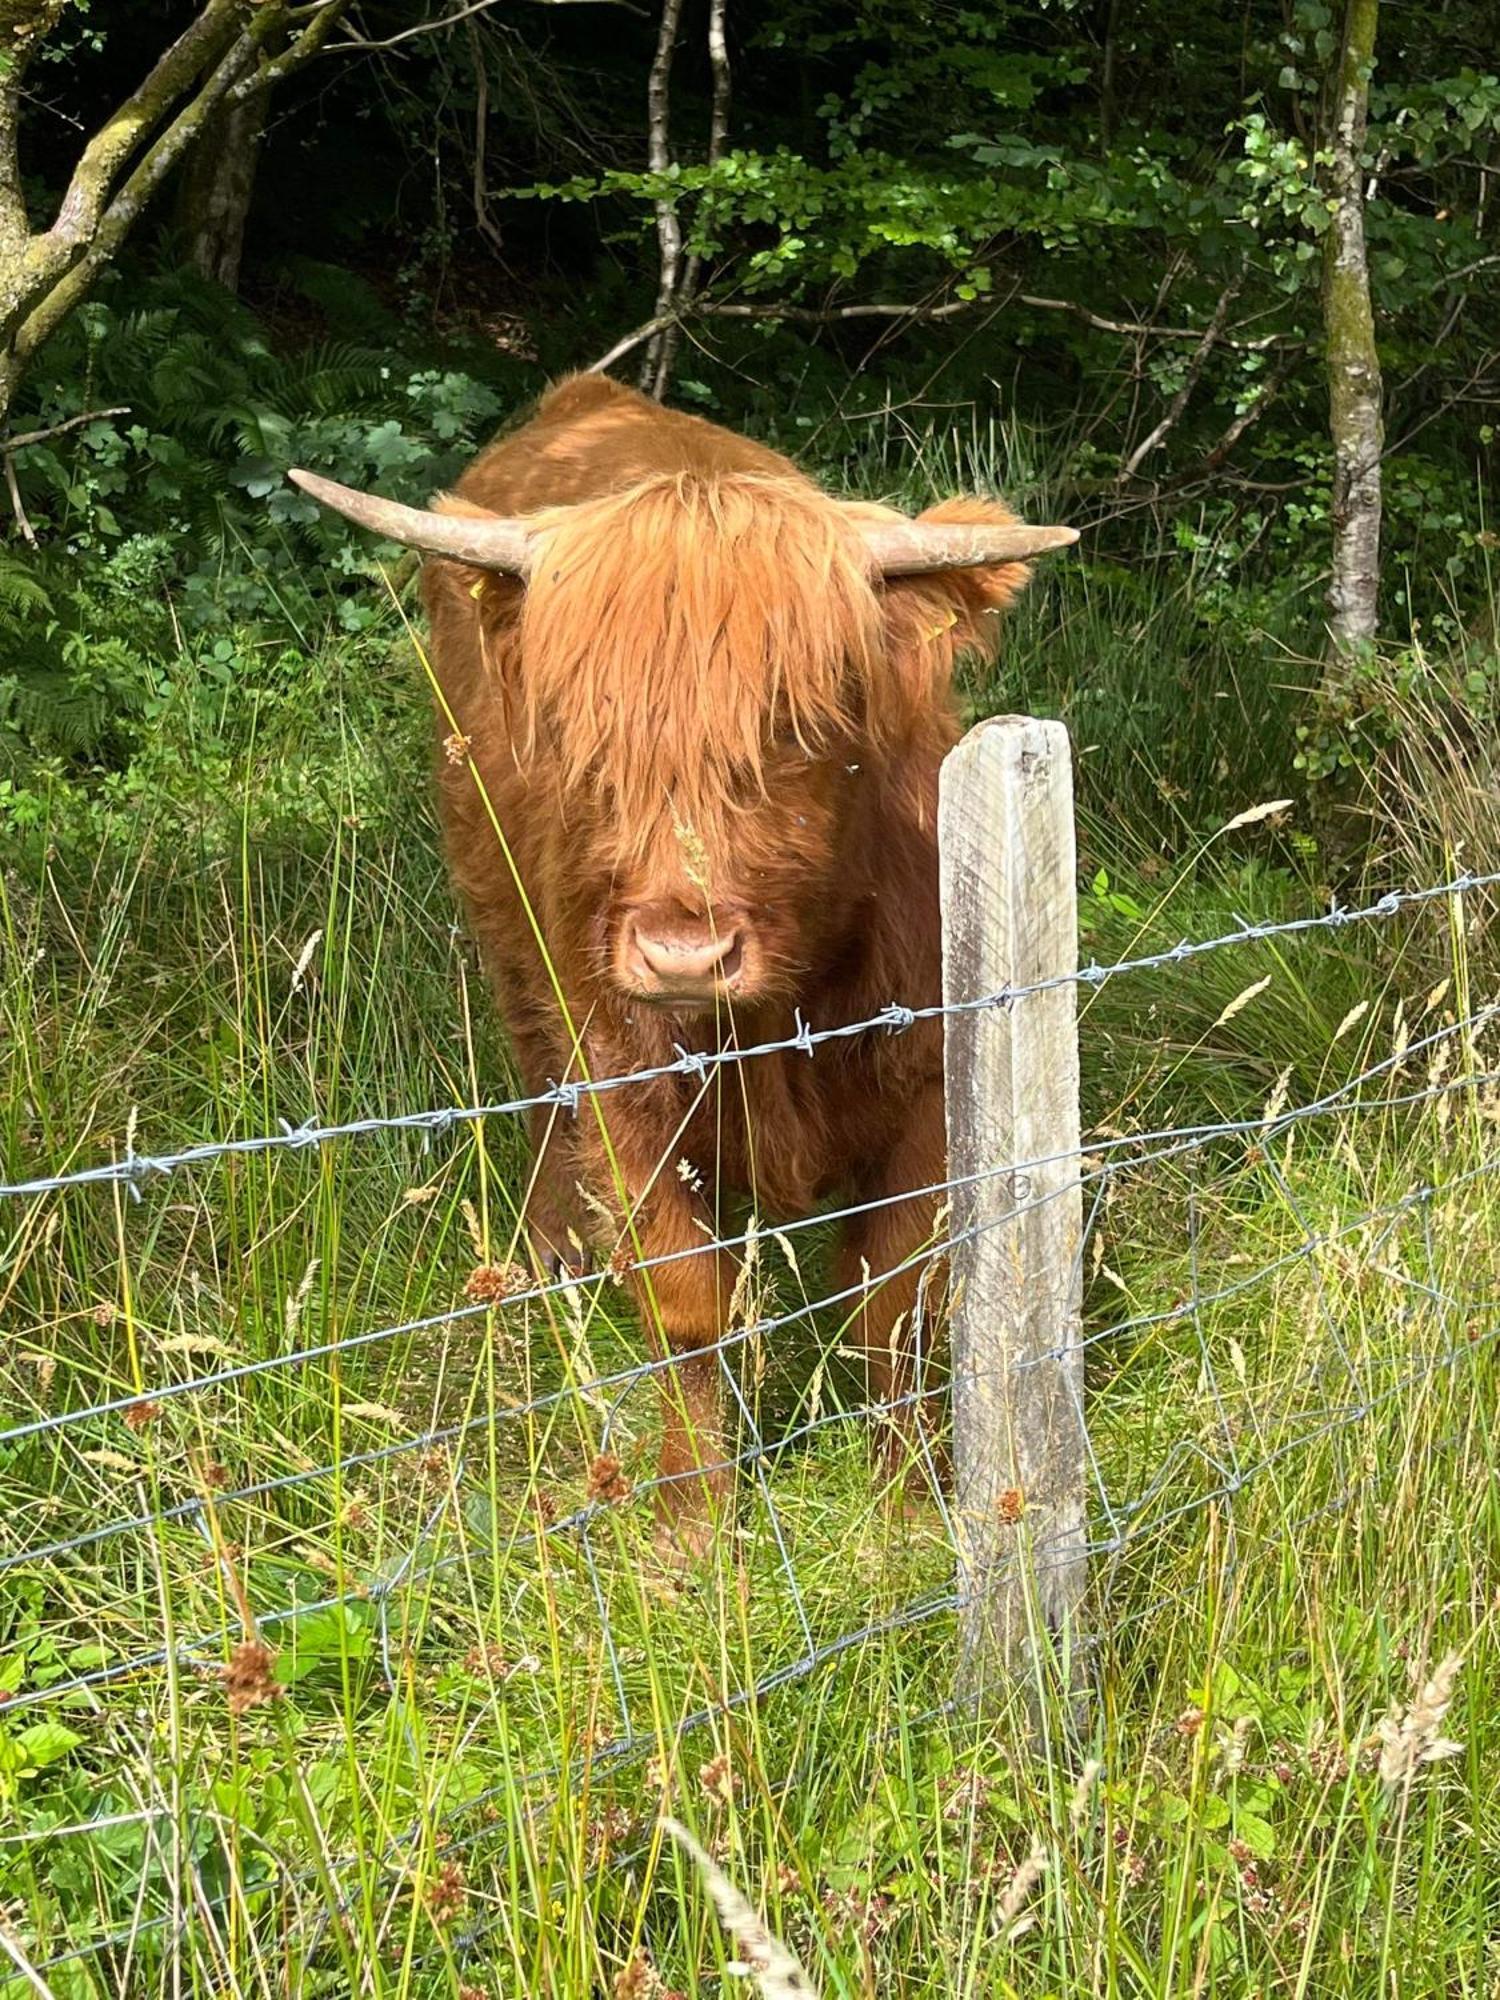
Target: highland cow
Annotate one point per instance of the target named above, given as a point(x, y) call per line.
point(695, 710)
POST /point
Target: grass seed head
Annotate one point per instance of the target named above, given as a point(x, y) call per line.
point(718, 1780)
point(607, 1484)
point(447, 1894)
point(1080, 1806)
point(762, 1954)
point(638, 1980)
point(1408, 1741)
point(248, 1679)
point(1011, 1918)
point(489, 1284)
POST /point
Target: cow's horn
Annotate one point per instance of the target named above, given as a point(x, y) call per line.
point(908, 548)
point(489, 541)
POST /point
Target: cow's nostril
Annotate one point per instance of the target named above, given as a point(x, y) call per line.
point(680, 960)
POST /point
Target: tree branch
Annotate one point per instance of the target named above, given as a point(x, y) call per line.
point(19, 440)
point(1252, 413)
point(301, 48)
point(917, 309)
point(9, 446)
point(202, 43)
point(718, 132)
point(349, 40)
point(71, 284)
point(488, 227)
point(1131, 465)
point(24, 24)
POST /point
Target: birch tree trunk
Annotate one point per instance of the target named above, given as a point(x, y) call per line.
point(1354, 386)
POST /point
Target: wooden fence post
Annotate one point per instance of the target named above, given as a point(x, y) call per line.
point(1009, 889)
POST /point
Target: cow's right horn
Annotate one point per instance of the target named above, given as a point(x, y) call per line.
point(488, 541)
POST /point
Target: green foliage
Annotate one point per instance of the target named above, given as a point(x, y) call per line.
point(192, 478)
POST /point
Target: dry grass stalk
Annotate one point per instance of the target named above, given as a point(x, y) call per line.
point(1411, 1740)
point(1012, 1919)
point(764, 1957)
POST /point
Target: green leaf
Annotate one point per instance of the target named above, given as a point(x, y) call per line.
point(32, 1749)
point(1256, 1833)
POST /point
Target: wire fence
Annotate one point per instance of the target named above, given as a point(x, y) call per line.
point(1291, 1293)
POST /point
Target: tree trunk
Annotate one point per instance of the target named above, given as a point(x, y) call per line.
point(213, 199)
point(223, 60)
point(1354, 386)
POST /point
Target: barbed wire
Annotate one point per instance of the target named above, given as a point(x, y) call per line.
point(567, 1096)
point(1332, 1394)
point(1171, 1142)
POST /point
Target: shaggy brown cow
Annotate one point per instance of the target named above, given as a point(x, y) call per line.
point(706, 704)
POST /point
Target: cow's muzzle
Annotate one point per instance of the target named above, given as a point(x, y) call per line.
point(685, 962)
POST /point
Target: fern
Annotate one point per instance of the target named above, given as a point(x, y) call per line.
point(23, 596)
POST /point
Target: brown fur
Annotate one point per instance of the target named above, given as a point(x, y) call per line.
point(702, 705)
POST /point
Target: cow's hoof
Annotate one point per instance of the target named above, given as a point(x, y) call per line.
point(683, 1541)
point(554, 1265)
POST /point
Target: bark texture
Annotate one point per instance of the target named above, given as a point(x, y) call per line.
point(228, 56)
point(213, 202)
point(1354, 385)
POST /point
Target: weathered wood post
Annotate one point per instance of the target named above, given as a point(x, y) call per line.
point(1005, 833)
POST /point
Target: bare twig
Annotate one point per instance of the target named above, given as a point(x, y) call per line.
point(916, 309)
point(488, 227)
point(1467, 271)
point(1196, 361)
point(17, 506)
point(349, 40)
point(1252, 413)
point(21, 439)
point(9, 446)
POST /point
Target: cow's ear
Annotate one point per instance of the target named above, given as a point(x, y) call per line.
point(975, 596)
point(470, 610)
point(933, 617)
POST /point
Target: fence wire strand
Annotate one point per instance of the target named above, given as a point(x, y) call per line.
point(1141, 1488)
point(138, 1167)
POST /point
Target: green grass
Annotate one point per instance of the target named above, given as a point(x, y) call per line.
point(1301, 1469)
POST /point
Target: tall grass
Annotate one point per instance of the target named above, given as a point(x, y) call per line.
point(388, 1735)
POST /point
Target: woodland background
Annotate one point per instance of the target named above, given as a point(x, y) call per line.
point(1081, 250)
point(1217, 285)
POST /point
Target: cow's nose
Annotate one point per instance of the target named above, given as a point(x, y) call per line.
point(690, 958)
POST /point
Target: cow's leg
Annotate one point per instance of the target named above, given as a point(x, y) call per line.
point(553, 1224)
point(683, 1303)
point(901, 1288)
point(552, 1221)
point(685, 1306)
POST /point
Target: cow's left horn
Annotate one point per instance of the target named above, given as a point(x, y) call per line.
point(910, 548)
point(489, 541)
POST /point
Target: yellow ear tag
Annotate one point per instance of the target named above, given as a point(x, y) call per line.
point(476, 589)
point(947, 626)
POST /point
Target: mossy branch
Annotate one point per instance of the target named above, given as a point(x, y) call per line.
point(219, 58)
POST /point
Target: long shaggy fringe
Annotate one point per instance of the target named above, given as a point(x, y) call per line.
point(669, 626)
